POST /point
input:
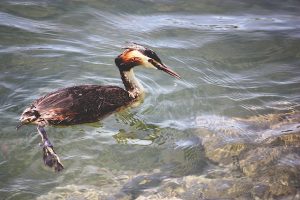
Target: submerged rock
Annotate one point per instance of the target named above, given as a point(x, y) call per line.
point(245, 159)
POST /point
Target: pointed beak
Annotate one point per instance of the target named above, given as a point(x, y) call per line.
point(168, 70)
point(164, 68)
point(19, 125)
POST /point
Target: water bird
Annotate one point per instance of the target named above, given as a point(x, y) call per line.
point(90, 103)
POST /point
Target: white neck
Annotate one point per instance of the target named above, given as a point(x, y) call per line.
point(132, 85)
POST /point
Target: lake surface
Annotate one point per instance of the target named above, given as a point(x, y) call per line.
point(228, 129)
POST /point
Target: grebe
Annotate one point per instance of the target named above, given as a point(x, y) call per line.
point(90, 103)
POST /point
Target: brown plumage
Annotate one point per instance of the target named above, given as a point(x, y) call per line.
point(79, 104)
point(90, 103)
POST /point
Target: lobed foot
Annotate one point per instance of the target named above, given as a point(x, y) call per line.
point(50, 158)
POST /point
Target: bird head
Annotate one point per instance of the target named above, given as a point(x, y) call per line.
point(28, 116)
point(136, 54)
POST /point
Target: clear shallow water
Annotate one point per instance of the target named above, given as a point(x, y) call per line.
point(239, 64)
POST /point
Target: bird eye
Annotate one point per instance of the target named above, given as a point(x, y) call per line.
point(152, 54)
point(27, 113)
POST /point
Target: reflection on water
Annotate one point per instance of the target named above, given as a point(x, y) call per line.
point(228, 129)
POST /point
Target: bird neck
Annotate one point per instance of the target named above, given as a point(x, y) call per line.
point(132, 85)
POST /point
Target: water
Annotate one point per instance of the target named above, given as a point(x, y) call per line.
point(228, 129)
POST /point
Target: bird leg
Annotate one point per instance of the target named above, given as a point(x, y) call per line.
point(49, 156)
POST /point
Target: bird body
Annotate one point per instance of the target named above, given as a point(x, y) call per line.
point(90, 103)
point(78, 104)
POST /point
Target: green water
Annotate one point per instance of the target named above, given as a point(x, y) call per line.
point(228, 129)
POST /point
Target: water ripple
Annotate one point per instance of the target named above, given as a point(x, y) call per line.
point(152, 23)
point(26, 24)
